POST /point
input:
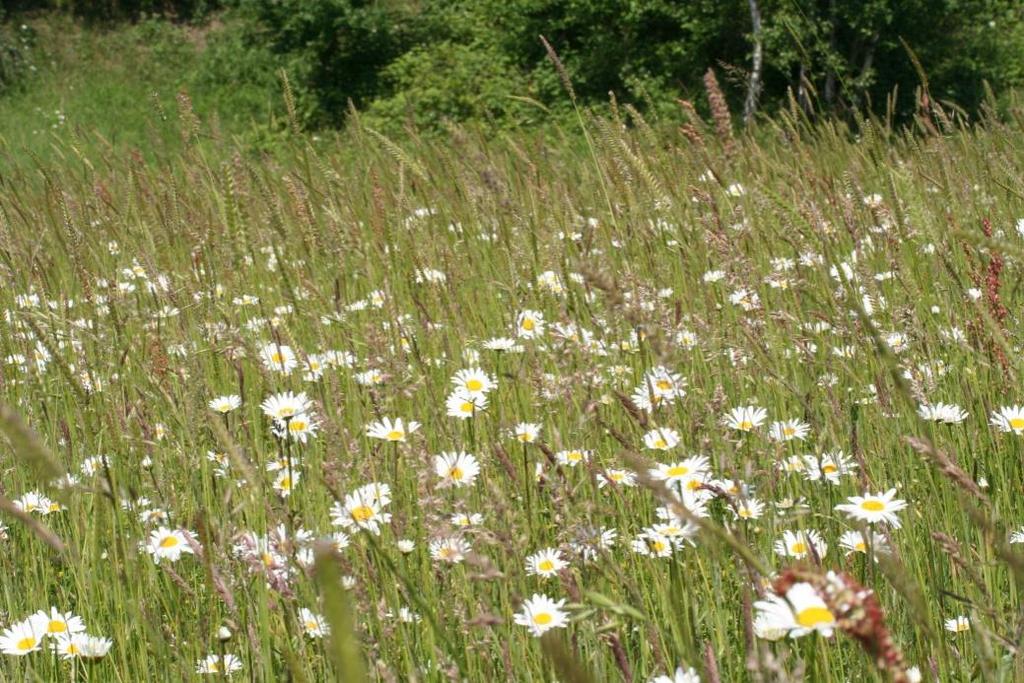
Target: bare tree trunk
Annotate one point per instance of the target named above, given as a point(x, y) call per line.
point(830, 76)
point(754, 85)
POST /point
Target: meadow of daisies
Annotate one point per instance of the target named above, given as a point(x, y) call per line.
point(630, 405)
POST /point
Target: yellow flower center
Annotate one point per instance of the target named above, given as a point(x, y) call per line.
point(474, 385)
point(466, 407)
point(788, 431)
point(287, 411)
point(829, 469)
point(872, 505)
point(661, 443)
point(1017, 423)
point(663, 384)
point(276, 358)
point(574, 456)
point(812, 616)
point(311, 626)
point(657, 546)
point(745, 513)
point(678, 471)
point(297, 426)
point(396, 435)
point(286, 483)
point(362, 513)
point(73, 649)
point(528, 325)
point(798, 548)
point(860, 547)
point(545, 565)
point(169, 542)
point(542, 619)
point(455, 473)
point(56, 627)
point(25, 643)
point(746, 425)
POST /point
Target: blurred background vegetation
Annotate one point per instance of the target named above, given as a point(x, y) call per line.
point(417, 65)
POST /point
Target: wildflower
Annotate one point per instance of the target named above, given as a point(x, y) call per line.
point(800, 612)
point(225, 404)
point(652, 544)
point(1009, 419)
point(746, 299)
point(278, 358)
point(945, 413)
point(681, 676)
point(463, 405)
point(799, 544)
point(661, 439)
point(572, 458)
point(958, 624)
point(854, 542)
point(526, 432)
point(679, 472)
point(81, 645)
point(313, 624)
point(789, 430)
point(452, 550)
point(746, 418)
point(33, 501)
point(285, 482)
point(55, 623)
point(21, 638)
point(541, 614)
point(473, 382)
point(362, 509)
point(503, 344)
point(750, 508)
point(216, 664)
point(530, 324)
point(545, 563)
point(369, 378)
point(880, 507)
point(664, 383)
point(465, 519)
point(830, 466)
point(168, 544)
point(456, 469)
point(285, 406)
point(616, 477)
point(387, 430)
point(299, 427)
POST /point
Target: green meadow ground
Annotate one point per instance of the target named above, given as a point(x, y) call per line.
point(823, 276)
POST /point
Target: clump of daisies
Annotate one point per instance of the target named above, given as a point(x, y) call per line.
point(365, 509)
point(469, 393)
point(65, 631)
point(290, 416)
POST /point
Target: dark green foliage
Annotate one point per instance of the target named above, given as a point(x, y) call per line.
point(16, 42)
point(423, 62)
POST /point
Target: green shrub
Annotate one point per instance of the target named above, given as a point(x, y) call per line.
point(450, 82)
